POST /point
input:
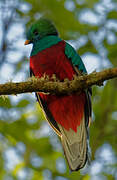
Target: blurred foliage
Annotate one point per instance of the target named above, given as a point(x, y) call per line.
point(29, 149)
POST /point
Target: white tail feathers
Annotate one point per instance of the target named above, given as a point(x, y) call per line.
point(75, 146)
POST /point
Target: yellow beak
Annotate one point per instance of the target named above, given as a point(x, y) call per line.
point(27, 42)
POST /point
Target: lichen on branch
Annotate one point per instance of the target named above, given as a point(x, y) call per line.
point(53, 86)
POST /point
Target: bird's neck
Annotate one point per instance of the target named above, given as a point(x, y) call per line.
point(44, 43)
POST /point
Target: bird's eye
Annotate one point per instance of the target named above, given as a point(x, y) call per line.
point(35, 33)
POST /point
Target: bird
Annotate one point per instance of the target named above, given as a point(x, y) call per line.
point(69, 115)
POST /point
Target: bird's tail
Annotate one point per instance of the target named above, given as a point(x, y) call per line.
point(75, 146)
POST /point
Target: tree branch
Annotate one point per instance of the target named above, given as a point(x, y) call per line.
point(53, 86)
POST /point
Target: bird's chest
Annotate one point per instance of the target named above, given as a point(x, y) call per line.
point(52, 61)
point(43, 63)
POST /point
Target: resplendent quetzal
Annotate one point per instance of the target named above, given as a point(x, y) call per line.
point(68, 115)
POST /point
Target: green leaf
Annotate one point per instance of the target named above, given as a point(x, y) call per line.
point(5, 102)
point(23, 103)
point(112, 15)
point(88, 47)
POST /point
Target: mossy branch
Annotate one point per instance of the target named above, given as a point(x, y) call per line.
point(53, 86)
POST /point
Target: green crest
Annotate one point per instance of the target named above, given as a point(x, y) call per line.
point(41, 28)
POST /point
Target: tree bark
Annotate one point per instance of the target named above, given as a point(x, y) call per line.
point(54, 86)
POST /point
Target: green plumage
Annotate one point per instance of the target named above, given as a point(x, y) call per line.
point(43, 34)
point(44, 43)
point(40, 29)
point(49, 41)
point(75, 58)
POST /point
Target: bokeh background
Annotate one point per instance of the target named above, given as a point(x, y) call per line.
point(29, 149)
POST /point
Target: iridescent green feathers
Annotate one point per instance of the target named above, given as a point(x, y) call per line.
point(75, 58)
point(44, 43)
point(41, 28)
point(43, 34)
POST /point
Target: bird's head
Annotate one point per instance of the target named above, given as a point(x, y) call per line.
point(41, 28)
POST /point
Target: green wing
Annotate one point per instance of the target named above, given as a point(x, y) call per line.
point(80, 68)
point(75, 58)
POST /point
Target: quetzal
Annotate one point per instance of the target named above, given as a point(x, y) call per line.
point(68, 115)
